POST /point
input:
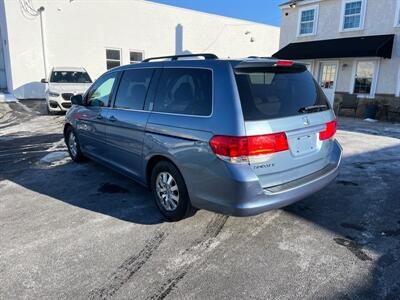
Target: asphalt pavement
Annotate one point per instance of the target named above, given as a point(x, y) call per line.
point(82, 231)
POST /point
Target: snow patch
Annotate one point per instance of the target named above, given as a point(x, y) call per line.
point(367, 130)
point(53, 157)
point(370, 120)
point(391, 129)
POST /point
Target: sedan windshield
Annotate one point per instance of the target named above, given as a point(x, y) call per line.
point(70, 77)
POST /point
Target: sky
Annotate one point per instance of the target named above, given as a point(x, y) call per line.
point(262, 11)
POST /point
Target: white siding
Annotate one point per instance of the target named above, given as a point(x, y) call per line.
point(78, 32)
point(379, 19)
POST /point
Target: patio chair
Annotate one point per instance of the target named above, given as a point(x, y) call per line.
point(349, 101)
point(393, 113)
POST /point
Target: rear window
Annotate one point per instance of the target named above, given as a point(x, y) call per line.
point(185, 91)
point(70, 77)
point(278, 94)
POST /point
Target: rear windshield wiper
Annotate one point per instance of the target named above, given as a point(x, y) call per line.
point(313, 108)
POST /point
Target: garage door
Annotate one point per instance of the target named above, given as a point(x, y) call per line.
point(3, 80)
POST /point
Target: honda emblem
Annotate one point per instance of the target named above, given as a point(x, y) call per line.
point(306, 121)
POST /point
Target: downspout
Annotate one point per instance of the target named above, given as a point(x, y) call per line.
point(42, 33)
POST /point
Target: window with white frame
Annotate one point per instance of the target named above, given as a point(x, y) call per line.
point(135, 56)
point(308, 21)
point(364, 77)
point(113, 58)
point(353, 15)
point(397, 17)
point(309, 65)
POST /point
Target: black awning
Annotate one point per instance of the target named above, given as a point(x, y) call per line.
point(365, 46)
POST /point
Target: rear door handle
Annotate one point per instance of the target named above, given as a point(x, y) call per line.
point(112, 119)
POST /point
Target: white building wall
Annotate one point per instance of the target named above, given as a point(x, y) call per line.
point(379, 19)
point(78, 32)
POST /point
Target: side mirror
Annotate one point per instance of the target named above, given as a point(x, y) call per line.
point(43, 80)
point(77, 99)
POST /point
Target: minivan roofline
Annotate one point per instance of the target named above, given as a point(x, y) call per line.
point(250, 61)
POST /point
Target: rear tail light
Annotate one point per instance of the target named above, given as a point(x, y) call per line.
point(239, 149)
point(330, 130)
point(284, 63)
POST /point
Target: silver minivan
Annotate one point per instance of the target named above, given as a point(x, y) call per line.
point(234, 136)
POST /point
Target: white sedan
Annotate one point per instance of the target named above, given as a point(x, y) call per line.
point(62, 85)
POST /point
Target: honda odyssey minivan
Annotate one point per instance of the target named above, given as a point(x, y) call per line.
point(234, 136)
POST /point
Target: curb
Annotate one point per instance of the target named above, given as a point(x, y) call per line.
point(7, 98)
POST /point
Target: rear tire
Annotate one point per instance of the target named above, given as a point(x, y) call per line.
point(73, 146)
point(170, 192)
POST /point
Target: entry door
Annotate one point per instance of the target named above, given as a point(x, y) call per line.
point(128, 120)
point(3, 79)
point(327, 79)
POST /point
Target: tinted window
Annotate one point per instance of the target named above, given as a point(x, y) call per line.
point(133, 89)
point(99, 94)
point(185, 91)
point(70, 77)
point(268, 95)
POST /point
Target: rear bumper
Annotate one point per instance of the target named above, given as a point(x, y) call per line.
point(248, 198)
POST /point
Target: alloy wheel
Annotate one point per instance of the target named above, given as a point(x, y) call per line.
point(167, 191)
point(72, 145)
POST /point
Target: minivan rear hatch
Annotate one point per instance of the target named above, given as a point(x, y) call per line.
point(282, 97)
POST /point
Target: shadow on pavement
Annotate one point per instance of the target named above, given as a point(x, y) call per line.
point(361, 208)
point(93, 187)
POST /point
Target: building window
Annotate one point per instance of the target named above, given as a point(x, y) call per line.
point(364, 77)
point(309, 66)
point(308, 21)
point(353, 15)
point(397, 17)
point(135, 56)
point(113, 58)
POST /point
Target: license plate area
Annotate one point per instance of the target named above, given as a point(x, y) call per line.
point(303, 144)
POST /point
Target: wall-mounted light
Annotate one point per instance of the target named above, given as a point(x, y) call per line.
point(344, 66)
point(293, 4)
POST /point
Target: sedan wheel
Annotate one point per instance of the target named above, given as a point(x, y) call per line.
point(73, 147)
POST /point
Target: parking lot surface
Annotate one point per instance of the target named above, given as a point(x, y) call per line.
point(79, 231)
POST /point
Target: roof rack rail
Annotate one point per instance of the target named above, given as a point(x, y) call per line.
point(263, 57)
point(176, 57)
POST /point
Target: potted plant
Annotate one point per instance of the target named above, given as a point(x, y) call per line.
point(371, 109)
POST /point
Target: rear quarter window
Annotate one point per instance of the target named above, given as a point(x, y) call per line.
point(186, 91)
point(278, 94)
